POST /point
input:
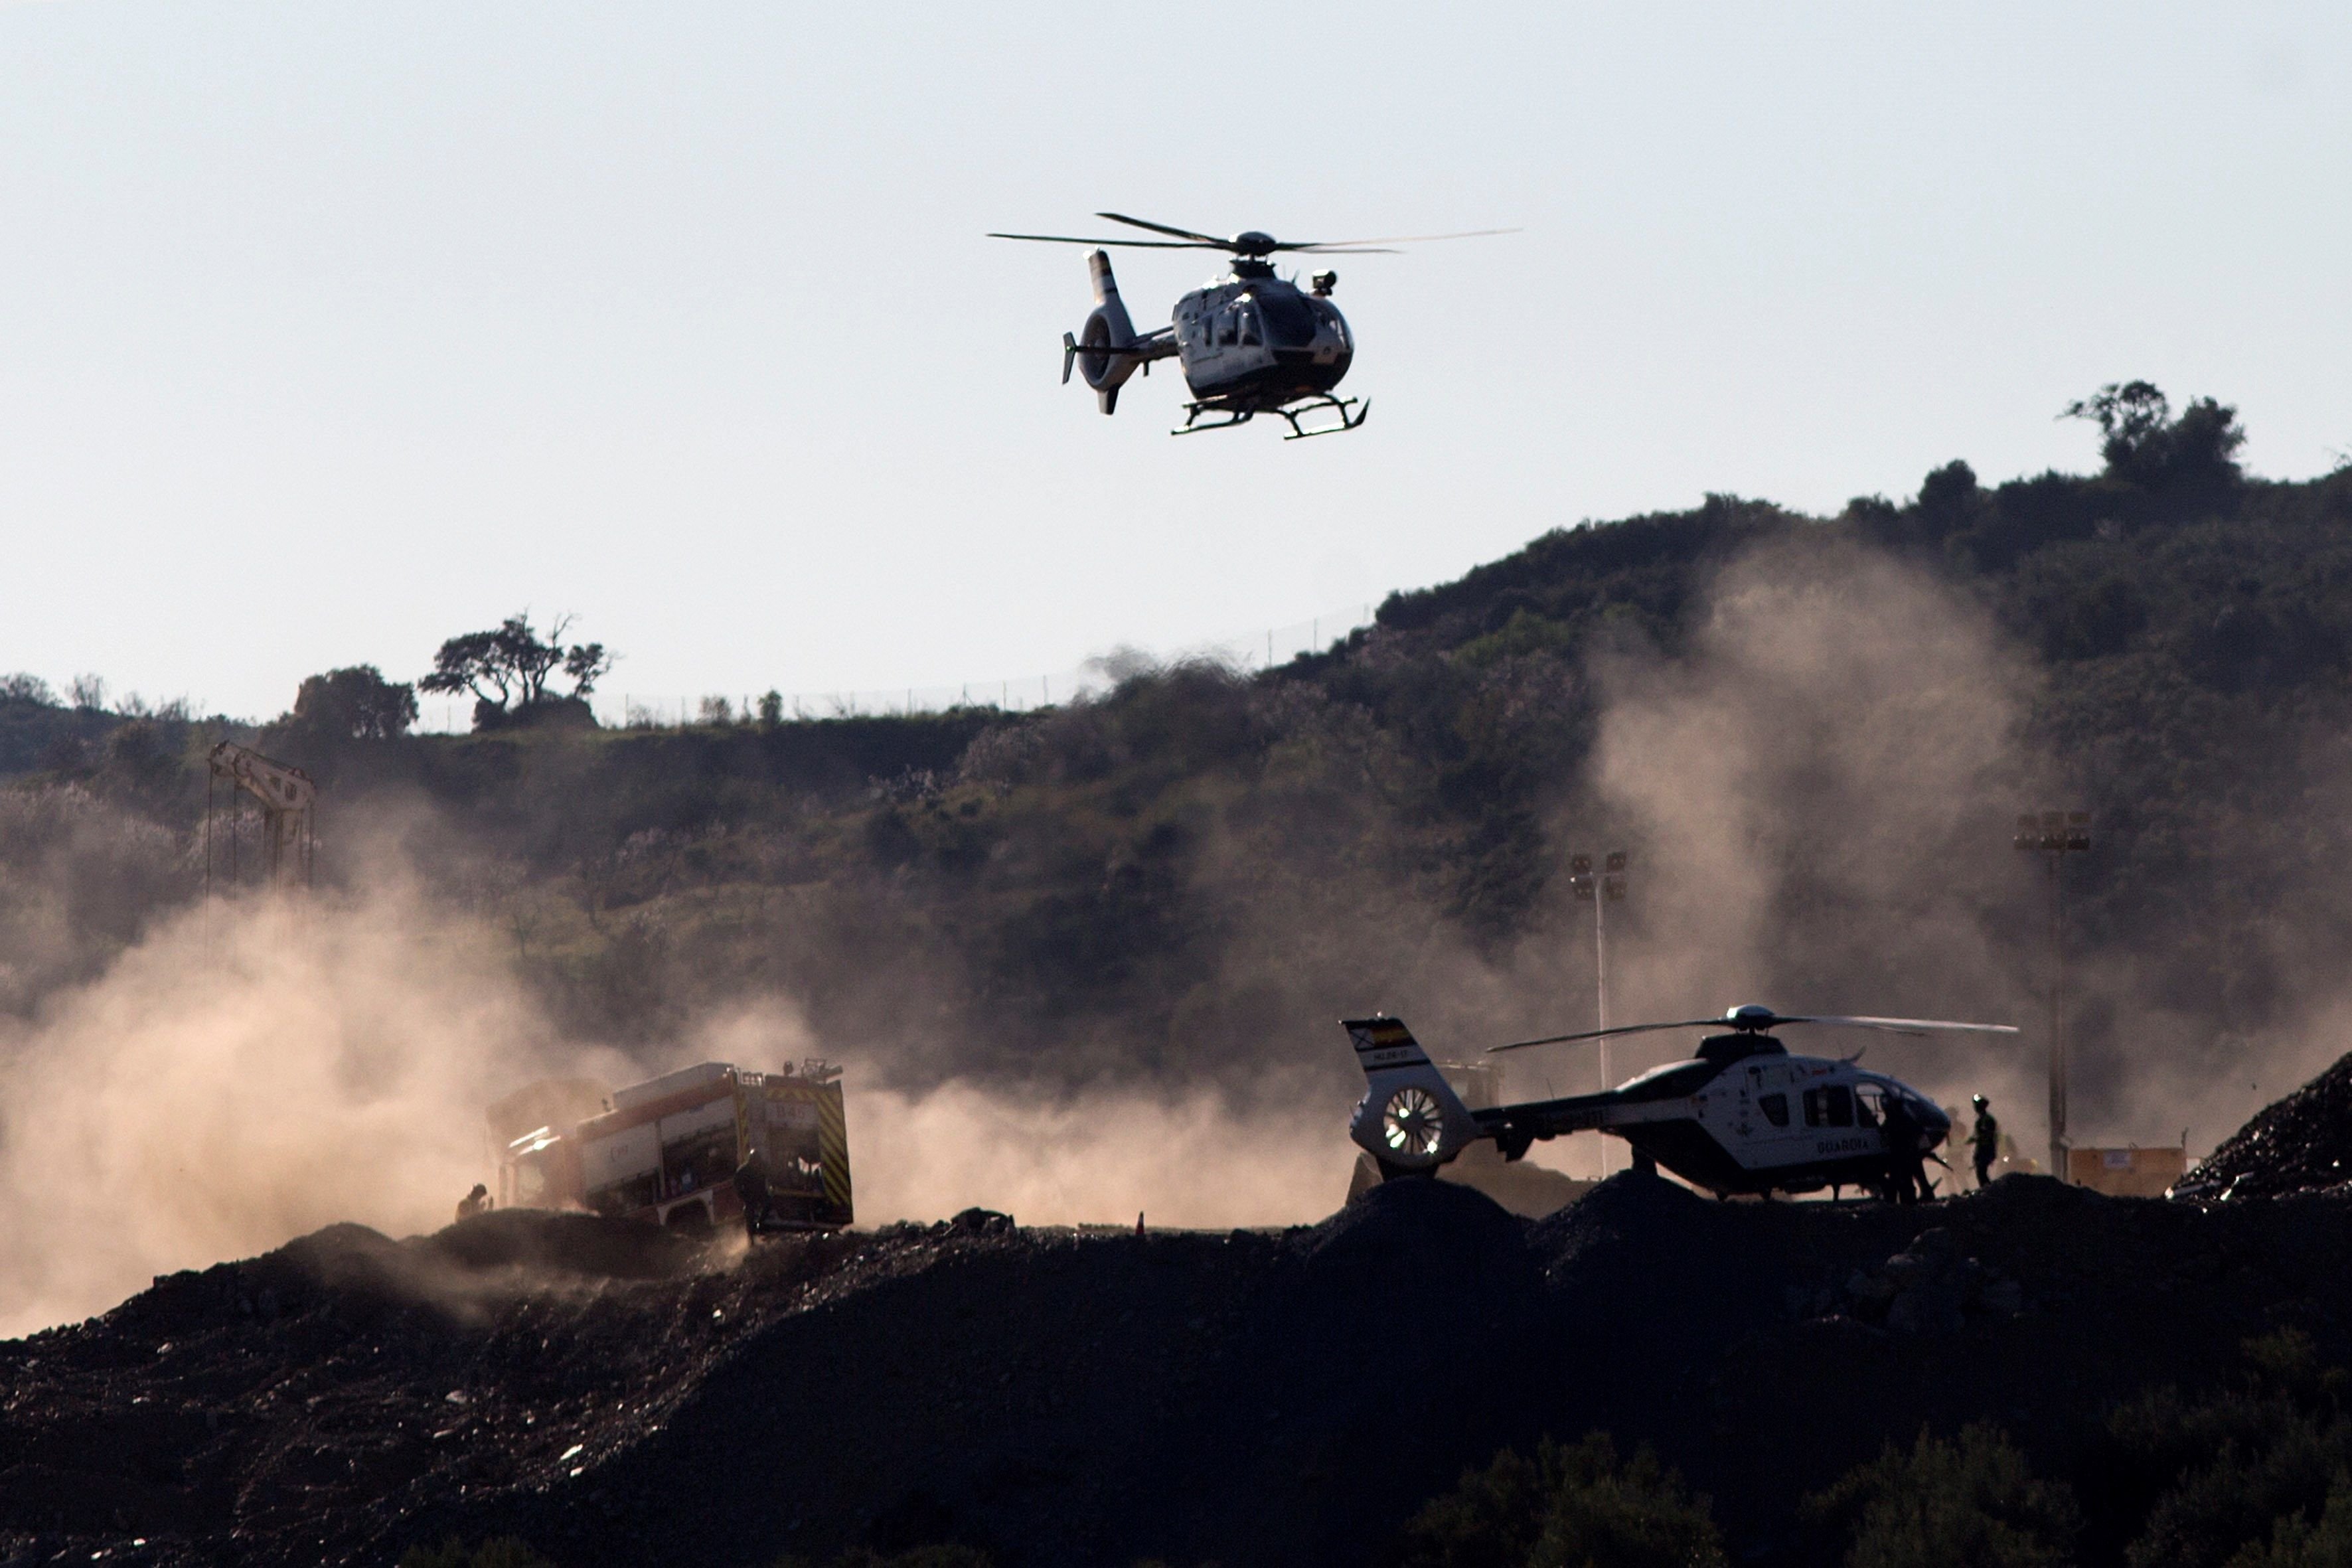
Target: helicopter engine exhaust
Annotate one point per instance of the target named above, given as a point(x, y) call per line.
point(1106, 331)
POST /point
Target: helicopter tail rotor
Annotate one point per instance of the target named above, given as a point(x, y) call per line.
point(1099, 348)
point(1409, 1120)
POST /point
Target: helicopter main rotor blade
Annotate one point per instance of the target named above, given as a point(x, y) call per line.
point(1163, 228)
point(1394, 238)
point(1341, 249)
point(1136, 244)
point(1604, 1034)
point(1903, 1026)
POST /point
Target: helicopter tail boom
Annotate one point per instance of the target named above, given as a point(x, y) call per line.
point(1409, 1120)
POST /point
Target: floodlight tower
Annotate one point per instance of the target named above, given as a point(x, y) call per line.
point(2055, 834)
point(1601, 891)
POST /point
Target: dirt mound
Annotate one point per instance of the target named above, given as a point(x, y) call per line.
point(1057, 1397)
point(2300, 1143)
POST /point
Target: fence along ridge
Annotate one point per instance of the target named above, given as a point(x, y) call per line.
point(1254, 651)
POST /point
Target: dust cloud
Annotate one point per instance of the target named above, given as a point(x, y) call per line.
point(1191, 1157)
point(246, 1073)
point(258, 1070)
point(1817, 792)
point(1821, 790)
point(1190, 1160)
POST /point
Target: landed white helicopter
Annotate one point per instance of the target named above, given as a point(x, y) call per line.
point(1742, 1116)
point(1251, 343)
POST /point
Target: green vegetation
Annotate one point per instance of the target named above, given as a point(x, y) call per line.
point(1193, 873)
point(1969, 1503)
point(1568, 1506)
point(2257, 1474)
point(508, 667)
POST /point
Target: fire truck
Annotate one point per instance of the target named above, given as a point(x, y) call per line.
point(666, 1150)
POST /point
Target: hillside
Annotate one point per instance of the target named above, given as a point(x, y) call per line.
point(1811, 734)
point(1051, 1397)
point(1192, 875)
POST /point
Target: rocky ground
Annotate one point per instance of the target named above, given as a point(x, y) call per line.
point(2299, 1144)
point(1096, 1398)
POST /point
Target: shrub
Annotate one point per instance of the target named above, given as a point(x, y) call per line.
point(1569, 1505)
point(2298, 1543)
point(1969, 1503)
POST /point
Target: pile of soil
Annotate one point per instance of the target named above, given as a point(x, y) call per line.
point(2299, 1144)
point(1057, 1397)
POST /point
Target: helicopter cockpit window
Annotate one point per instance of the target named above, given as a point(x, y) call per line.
point(1775, 1108)
point(1290, 319)
point(1869, 1105)
point(1831, 1107)
point(1250, 332)
point(1225, 328)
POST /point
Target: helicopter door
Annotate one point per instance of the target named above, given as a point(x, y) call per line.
point(1829, 1106)
point(1772, 1133)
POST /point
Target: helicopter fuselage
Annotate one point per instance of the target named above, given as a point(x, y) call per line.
point(1252, 341)
point(1743, 1116)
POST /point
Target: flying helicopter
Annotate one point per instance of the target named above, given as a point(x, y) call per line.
point(1251, 343)
point(1740, 1116)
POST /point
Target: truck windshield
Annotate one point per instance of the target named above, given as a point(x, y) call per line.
point(526, 1183)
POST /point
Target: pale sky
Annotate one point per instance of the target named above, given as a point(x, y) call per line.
point(329, 329)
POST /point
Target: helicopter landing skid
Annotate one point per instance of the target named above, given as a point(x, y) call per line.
point(1193, 411)
point(1232, 416)
point(1337, 405)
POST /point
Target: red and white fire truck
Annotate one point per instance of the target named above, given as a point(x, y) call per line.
point(668, 1149)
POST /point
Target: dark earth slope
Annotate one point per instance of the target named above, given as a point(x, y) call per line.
point(2298, 1144)
point(1066, 1398)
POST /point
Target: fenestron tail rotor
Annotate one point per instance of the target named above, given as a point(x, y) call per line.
point(1754, 1019)
point(1412, 1122)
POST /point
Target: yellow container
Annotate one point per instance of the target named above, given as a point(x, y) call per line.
point(2127, 1173)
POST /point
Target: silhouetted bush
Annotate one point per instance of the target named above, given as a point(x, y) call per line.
point(1965, 1503)
point(1568, 1505)
point(2198, 1483)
